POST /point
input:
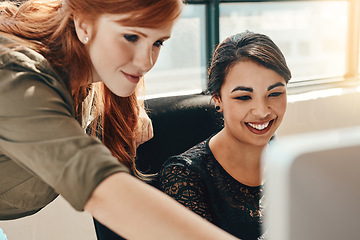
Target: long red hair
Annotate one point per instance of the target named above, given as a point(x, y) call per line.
point(47, 26)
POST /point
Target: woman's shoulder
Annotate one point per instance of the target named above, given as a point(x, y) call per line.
point(192, 158)
point(197, 152)
point(22, 71)
point(15, 56)
point(17, 59)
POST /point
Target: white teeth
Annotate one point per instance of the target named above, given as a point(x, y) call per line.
point(259, 126)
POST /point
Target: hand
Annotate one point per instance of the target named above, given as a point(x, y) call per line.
point(144, 130)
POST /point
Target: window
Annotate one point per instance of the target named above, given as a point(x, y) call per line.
point(181, 66)
point(313, 35)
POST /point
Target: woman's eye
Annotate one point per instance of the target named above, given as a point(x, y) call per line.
point(243, 98)
point(158, 43)
point(131, 38)
point(276, 94)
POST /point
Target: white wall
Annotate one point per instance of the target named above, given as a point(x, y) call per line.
point(57, 221)
point(321, 110)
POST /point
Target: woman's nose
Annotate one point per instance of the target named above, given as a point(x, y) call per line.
point(144, 59)
point(261, 109)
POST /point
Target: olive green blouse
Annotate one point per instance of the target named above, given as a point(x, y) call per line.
point(43, 149)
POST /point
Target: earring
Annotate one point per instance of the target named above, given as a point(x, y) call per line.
point(86, 40)
point(217, 108)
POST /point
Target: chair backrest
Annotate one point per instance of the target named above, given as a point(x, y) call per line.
point(179, 123)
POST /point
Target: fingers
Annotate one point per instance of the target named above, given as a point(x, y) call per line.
point(151, 130)
point(145, 128)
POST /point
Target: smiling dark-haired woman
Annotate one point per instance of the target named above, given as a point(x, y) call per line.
point(220, 178)
point(69, 64)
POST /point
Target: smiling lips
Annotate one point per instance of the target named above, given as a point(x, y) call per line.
point(131, 78)
point(259, 128)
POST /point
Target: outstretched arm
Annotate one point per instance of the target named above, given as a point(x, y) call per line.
point(136, 210)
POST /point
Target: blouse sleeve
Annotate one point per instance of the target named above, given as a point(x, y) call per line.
point(38, 130)
point(184, 184)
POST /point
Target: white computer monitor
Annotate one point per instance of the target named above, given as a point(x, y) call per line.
point(313, 186)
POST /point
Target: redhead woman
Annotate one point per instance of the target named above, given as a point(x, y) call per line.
point(220, 178)
point(68, 65)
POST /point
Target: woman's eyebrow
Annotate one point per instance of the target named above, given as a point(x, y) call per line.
point(249, 89)
point(144, 34)
point(279, 84)
point(138, 32)
point(242, 88)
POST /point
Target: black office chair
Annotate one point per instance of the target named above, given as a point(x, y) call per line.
point(179, 123)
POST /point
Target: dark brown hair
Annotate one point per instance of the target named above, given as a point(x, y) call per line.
point(246, 46)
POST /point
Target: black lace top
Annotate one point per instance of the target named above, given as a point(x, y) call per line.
point(197, 180)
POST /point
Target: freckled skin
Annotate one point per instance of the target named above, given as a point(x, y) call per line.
point(122, 55)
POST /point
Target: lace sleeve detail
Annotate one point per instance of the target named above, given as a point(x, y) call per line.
point(186, 186)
